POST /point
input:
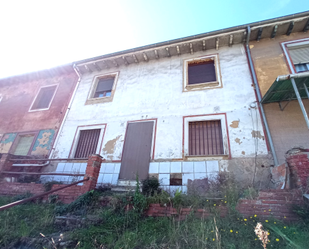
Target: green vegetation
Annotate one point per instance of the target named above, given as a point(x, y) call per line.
point(124, 224)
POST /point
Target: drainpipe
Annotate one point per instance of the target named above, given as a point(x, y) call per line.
point(257, 90)
point(67, 111)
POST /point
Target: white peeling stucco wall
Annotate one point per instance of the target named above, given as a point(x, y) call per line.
point(153, 90)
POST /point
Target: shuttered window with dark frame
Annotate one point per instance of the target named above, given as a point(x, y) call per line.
point(44, 97)
point(87, 143)
point(104, 87)
point(300, 57)
point(201, 72)
point(205, 138)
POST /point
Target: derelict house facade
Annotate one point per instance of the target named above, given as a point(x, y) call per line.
point(280, 53)
point(179, 110)
point(32, 107)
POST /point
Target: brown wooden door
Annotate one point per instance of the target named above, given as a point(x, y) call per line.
point(136, 151)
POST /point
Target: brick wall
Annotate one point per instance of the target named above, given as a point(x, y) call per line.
point(66, 195)
point(270, 203)
point(299, 167)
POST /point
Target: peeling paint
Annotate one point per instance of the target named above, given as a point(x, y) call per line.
point(7, 142)
point(235, 124)
point(237, 140)
point(110, 145)
point(43, 143)
point(257, 134)
point(244, 153)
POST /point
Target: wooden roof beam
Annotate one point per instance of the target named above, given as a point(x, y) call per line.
point(115, 63)
point(156, 54)
point(231, 40)
point(306, 26)
point(259, 34)
point(88, 69)
point(97, 67)
point(273, 34)
point(204, 45)
point(135, 59)
point(145, 56)
point(178, 49)
point(191, 48)
point(291, 26)
point(168, 52)
point(217, 43)
point(125, 60)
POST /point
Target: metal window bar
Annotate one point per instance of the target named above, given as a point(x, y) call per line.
point(205, 138)
point(87, 143)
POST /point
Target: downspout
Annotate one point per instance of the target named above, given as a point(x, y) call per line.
point(257, 89)
point(67, 111)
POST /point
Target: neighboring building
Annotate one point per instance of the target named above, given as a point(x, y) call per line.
point(179, 110)
point(281, 47)
point(32, 107)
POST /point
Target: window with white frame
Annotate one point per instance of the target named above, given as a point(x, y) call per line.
point(202, 73)
point(205, 135)
point(299, 55)
point(44, 98)
point(87, 141)
point(103, 88)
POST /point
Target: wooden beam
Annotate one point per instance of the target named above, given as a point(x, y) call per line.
point(115, 63)
point(191, 48)
point(105, 64)
point(259, 34)
point(178, 50)
point(273, 34)
point(125, 60)
point(231, 40)
point(88, 69)
point(97, 67)
point(204, 45)
point(306, 26)
point(156, 54)
point(217, 43)
point(145, 56)
point(168, 52)
point(135, 59)
point(290, 29)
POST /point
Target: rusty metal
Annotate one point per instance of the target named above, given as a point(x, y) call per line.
point(40, 195)
point(43, 173)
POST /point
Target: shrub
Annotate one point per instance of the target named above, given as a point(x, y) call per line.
point(150, 186)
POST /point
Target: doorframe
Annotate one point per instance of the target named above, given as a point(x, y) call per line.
point(154, 134)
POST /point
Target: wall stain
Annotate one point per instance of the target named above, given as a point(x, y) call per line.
point(235, 124)
point(110, 145)
point(42, 145)
point(244, 153)
point(7, 142)
point(237, 140)
point(257, 134)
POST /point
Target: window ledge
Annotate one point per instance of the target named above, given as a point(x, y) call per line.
point(201, 86)
point(210, 157)
point(99, 100)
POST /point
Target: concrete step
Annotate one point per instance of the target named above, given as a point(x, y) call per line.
point(127, 183)
point(122, 189)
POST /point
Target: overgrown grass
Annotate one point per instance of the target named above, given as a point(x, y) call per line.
point(24, 221)
point(130, 230)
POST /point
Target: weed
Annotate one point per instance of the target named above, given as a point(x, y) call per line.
point(48, 185)
point(150, 186)
point(139, 200)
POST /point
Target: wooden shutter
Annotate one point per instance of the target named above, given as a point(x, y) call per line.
point(87, 143)
point(201, 72)
point(205, 138)
point(44, 97)
point(299, 55)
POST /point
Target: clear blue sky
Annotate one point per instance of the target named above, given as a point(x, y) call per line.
point(41, 34)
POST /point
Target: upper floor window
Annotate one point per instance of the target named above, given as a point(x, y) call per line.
point(23, 144)
point(297, 54)
point(44, 98)
point(202, 73)
point(103, 88)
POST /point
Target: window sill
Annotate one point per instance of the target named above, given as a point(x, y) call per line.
point(210, 157)
point(99, 100)
point(202, 86)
